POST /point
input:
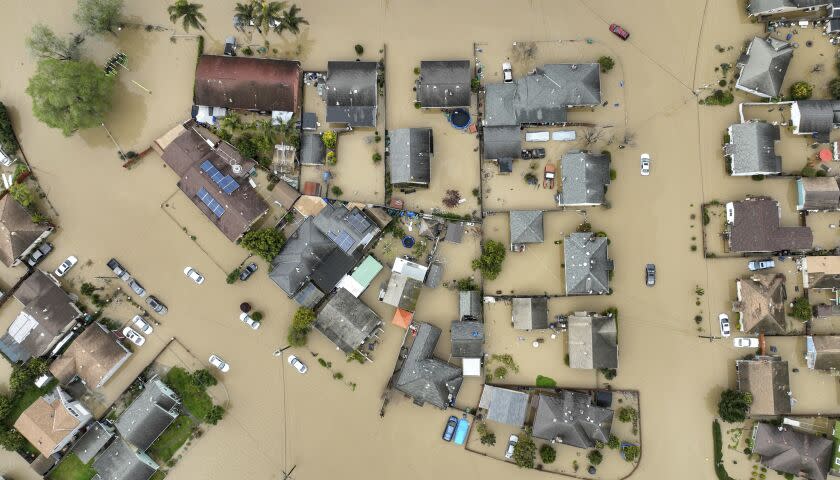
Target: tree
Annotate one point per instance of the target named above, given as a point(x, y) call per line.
point(70, 95)
point(267, 16)
point(300, 327)
point(490, 262)
point(216, 413)
point(330, 139)
point(486, 436)
point(525, 451)
point(801, 90)
point(189, 14)
point(291, 21)
point(614, 442)
point(12, 440)
point(203, 378)
point(834, 88)
point(245, 13)
point(8, 140)
point(606, 63)
point(22, 194)
point(42, 42)
point(733, 405)
point(631, 452)
point(265, 242)
point(801, 309)
point(595, 457)
point(547, 453)
point(359, 49)
point(24, 375)
point(99, 16)
point(627, 414)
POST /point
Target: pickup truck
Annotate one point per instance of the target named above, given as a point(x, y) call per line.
point(118, 270)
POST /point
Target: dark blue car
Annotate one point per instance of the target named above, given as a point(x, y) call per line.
point(449, 431)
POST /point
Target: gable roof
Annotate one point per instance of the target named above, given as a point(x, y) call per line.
point(312, 149)
point(593, 341)
point(822, 272)
point(504, 405)
point(122, 462)
point(467, 339)
point(755, 226)
point(402, 291)
point(346, 321)
point(422, 376)
point(585, 177)
point(149, 414)
point(17, 231)
point(822, 352)
point(817, 193)
point(444, 84)
point(304, 251)
point(817, 117)
point(530, 313)
point(526, 226)
point(752, 148)
point(763, 67)
point(587, 265)
point(284, 194)
point(92, 441)
point(47, 423)
point(248, 83)
point(94, 356)
point(790, 451)
point(410, 152)
point(767, 7)
point(570, 418)
point(761, 303)
point(351, 93)
point(767, 379)
point(470, 306)
point(502, 142)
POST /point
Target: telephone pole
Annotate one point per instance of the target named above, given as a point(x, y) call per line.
point(288, 476)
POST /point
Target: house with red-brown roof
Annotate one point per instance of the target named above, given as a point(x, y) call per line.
point(246, 83)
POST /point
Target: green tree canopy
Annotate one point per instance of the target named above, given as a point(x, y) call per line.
point(607, 63)
point(801, 90)
point(265, 242)
point(525, 451)
point(42, 42)
point(547, 453)
point(22, 194)
point(8, 140)
point(291, 21)
point(595, 457)
point(490, 262)
point(189, 14)
point(834, 88)
point(300, 327)
point(801, 309)
point(204, 378)
point(99, 16)
point(12, 440)
point(733, 405)
point(215, 414)
point(70, 95)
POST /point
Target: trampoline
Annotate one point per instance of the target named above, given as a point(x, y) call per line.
point(408, 241)
point(460, 118)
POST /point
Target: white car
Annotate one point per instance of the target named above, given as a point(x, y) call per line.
point(745, 342)
point(142, 325)
point(217, 362)
point(645, 162)
point(194, 275)
point(133, 336)
point(507, 72)
point(249, 321)
point(724, 325)
point(295, 362)
point(66, 265)
point(512, 441)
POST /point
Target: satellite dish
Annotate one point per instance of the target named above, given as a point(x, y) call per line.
point(237, 168)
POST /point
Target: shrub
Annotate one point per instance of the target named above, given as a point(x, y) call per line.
point(330, 139)
point(720, 471)
point(204, 378)
point(247, 51)
point(417, 70)
point(331, 158)
point(490, 262)
point(545, 382)
point(608, 373)
point(216, 413)
point(631, 452)
point(475, 84)
point(24, 375)
point(584, 227)
point(233, 276)
point(265, 242)
point(809, 171)
point(733, 405)
point(722, 82)
point(613, 174)
point(834, 88)
point(22, 194)
point(8, 141)
point(801, 309)
point(12, 440)
point(359, 49)
point(801, 90)
point(337, 191)
point(300, 327)
point(487, 437)
point(338, 376)
point(548, 454)
point(719, 97)
point(417, 105)
point(525, 451)
point(614, 442)
point(627, 414)
point(377, 157)
point(466, 284)
point(500, 372)
point(257, 316)
point(595, 457)
point(606, 63)
point(357, 356)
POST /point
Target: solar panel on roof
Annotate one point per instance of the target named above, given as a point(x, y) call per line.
point(211, 202)
point(358, 221)
point(228, 184)
point(343, 240)
point(225, 182)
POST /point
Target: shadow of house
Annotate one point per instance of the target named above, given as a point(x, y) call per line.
point(754, 225)
point(592, 341)
point(766, 378)
point(587, 265)
point(423, 377)
point(346, 321)
point(93, 357)
point(444, 84)
point(789, 451)
point(761, 304)
point(752, 149)
point(351, 95)
point(584, 179)
point(763, 67)
point(19, 235)
point(570, 418)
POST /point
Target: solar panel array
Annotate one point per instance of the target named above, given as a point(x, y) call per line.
point(358, 221)
point(342, 239)
point(225, 182)
point(211, 202)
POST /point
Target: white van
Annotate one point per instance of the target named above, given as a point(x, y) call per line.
point(537, 136)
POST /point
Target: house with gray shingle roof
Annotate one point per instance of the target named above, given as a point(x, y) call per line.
point(469, 305)
point(467, 338)
point(752, 149)
point(149, 414)
point(92, 441)
point(530, 313)
point(587, 265)
point(402, 291)
point(570, 418)
point(791, 451)
point(346, 321)
point(584, 178)
point(592, 341)
point(410, 152)
point(757, 8)
point(351, 93)
point(122, 462)
point(526, 226)
point(444, 84)
point(312, 149)
point(815, 117)
point(504, 405)
point(763, 67)
point(19, 235)
point(424, 377)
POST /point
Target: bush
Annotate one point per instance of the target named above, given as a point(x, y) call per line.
point(301, 324)
point(545, 382)
point(490, 263)
point(330, 139)
point(359, 49)
point(733, 405)
point(24, 375)
point(331, 158)
point(337, 191)
point(525, 451)
point(834, 88)
point(627, 414)
point(801, 309)
point(487, 437)
point(22, 194)
point(215, 414)
point(466, 285)
point(377, 157)
point(233, 276)
point(357, 356)
point(809, 171)
point(417, 70)
point(720, 471)
point(613, 174)
point(548, 454)
point(265, 242)
point(719, 98)
point(8, 141)
point(614, 442)
point(204, 378)
point(801, 90)
point(606, 63)
point(247, 51)
point(475, 84)
point(500, 372)
point(338, 376)
point(595, 457)
point(631, 452)
point(12, 440)
point(257, 316)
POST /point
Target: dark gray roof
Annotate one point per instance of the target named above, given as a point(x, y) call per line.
point(530, 313)
point(767, 7)
point(454, 232)
point(786, 450)
point(334, 267)
point(346, 321)
point(435, 275)
point(312, 149)
point(45, 303)
point(121, 462)
point(350, 229)
point(302, 254)
point(499, 107)
point(571, 419)
point(584, 178)
point(351, 93)
point(504, 405)
point(587, 265)
point(409, 155)
point(815, 116)
point(766, 63)
point(756, 228)
point(526, 226)
point(768, 380)
point(444, 84)
point(505, 165)
point(309, 295)
point(467, 339)
point(402, 292)
point(752, 148)
point(502, 142)
point(818, 193)
point(469, 305)
point(92, 441)
point(149, 414)
point(425, 378)
point(593, 341)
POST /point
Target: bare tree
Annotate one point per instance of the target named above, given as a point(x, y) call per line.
point(629, 139)
point(523, 51)
point(591, 136)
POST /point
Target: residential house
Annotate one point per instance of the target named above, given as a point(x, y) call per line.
point(470, 306)
point(502, 143)
point(444, 84)
point(815, 117)
point(93, 357)
point(346, 321)
point(817, 194)
point(761, 303)
point(584, 179)
point(19, 235)
point(120, 461)
point(571, 418)
point(48, 314)
point(763, 67)
point(410, 153)
point(284, 195)
point(755, 226)
point(822, 352)
point(526, 226)
point(751, 149)
point(92, 441)
point(351, 94)
point(424, 377)
point(530, 313)
point(760, 8)
point(52, 421)
point(312, 149)
point(592, 341)
point(361, 277)
point(149, 414)
point(767, 379)
point(214, 176)
point(467, 338)
point(785, 450)
point(820, 273)
point(403, 291)
point(588, 268)
point(504, 405)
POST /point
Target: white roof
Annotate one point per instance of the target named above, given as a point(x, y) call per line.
point(22, 326)
point(351, 285)
point(472, 367)
point(410, 269)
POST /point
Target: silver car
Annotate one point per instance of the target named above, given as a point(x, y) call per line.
point(137, 288)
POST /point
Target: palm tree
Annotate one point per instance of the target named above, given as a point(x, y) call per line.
point(267, 15)
point(245, 13)
point(189, 13)
point(291, 21)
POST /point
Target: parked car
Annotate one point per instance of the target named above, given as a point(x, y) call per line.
point(118, 270)
point(246, 272)
point(724, 325)
point(511, 443)
point(65, 266)
point(650, 274)
point(157, 305)
point(762, 264)
point(549, 172)
point(39, 254)
point(217, 362)
point(295, 362)
point(645, 163)
point(249, 321)
point(532, 153)
point(745, 342)
point(138, 289)
point(449, 430)
point(507, 72)
point(194, 275)
point(620, 32)
point(133, 336)
point(142, 325)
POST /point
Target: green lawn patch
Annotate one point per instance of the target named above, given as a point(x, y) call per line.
point(720, 470)
point(71, 468)
point(545, 382)
point(171, 440)
point(159, 475)
point(194, 397)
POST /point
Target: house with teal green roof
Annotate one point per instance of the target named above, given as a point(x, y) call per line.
point(359, 279)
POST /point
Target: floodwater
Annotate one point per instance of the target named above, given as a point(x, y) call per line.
point(278, 419)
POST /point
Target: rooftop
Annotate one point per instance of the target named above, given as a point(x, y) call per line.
point(504, 405)
point(766, 378)
point(425, 378)
point(587, 265)
point(570, 418)
point(761, 303)
point(467, 339)
point(17, 231)
point(248, 83)
point(752, 149)
point(410, 153)
point(352, 93)
point(526, 226)
point(122, 462)
point(346, 321)
point(530, 313)
point(763, 67)
point(786, 450)
point(149, 414)
point(755, 226)
point(444, 84)
point(94, 356)
point(585, 177)
point(593, 341)
point(49, 422)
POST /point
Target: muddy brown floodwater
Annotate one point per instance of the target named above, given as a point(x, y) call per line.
point(277, 418)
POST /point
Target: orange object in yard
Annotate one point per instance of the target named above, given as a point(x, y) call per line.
point(825, 155)
point(402, 318)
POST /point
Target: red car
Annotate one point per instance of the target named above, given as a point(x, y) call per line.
point(622, 33)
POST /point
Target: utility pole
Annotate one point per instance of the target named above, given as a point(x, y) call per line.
point(277, 354)
point(288, 476)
